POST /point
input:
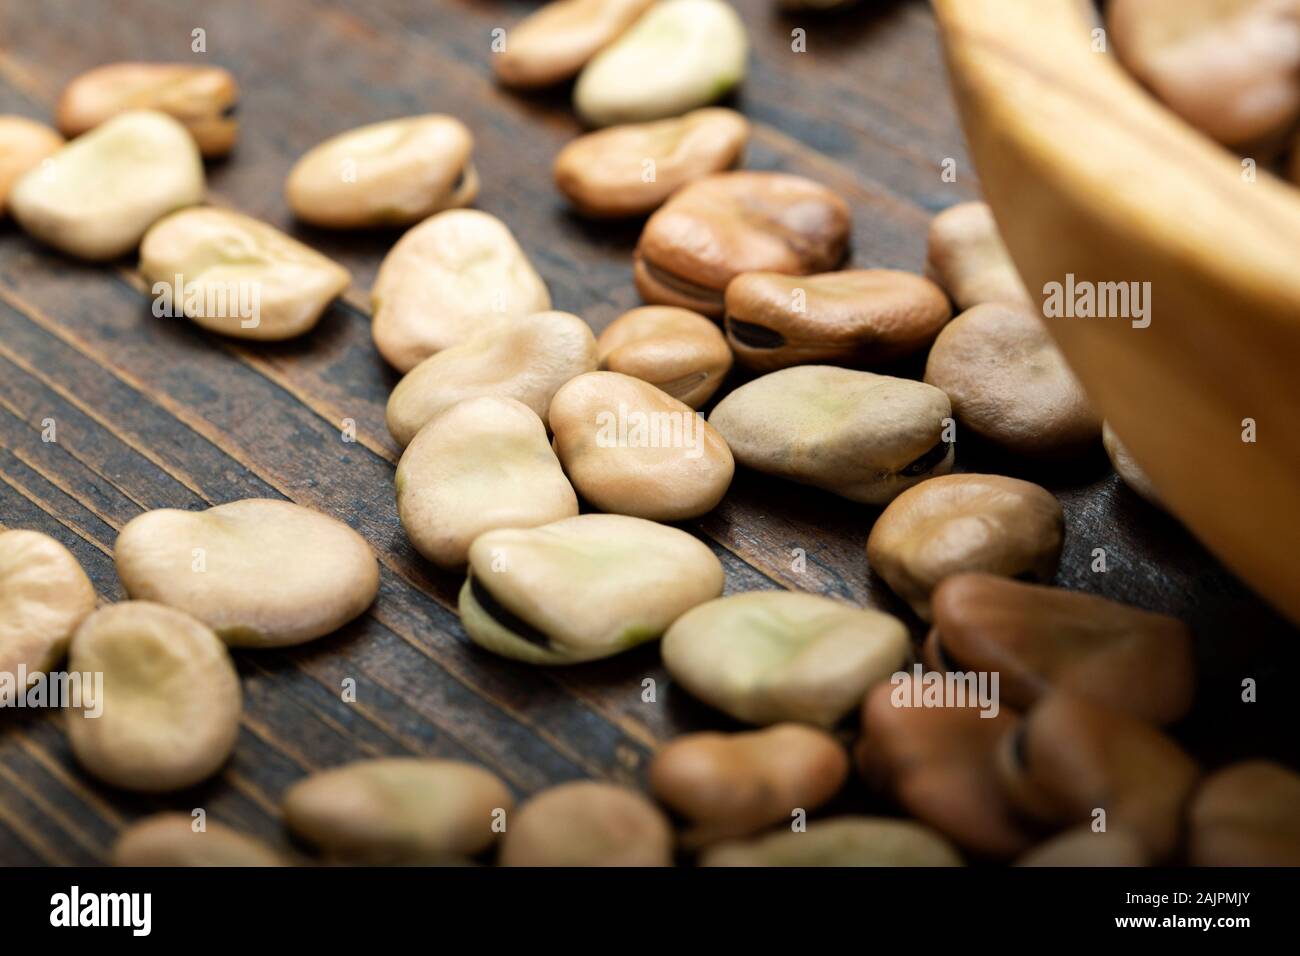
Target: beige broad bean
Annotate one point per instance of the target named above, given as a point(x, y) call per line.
point(484, 463)
point(554, 43)
point(44, 595)
point(203, 98)
point(588, 823)
point(864, 436)
point(259, 572)
point(859, 317)
point(399, 810)
point(96, 197)
point(1084, 846)
point(967, 522)
point(966, 257)
point(1246, 815)
point(235, 275)
point(582, 588)
point(678, 351)
point(733, 785)
point(770, 656)
point(393, 173)
point(526, 359)
point(632, 449)
point(453, 275)
point(170, 707)
point(1010, 384)
point(169, 839)
point(23, 144)
point(681, 54)
point(842, 841)
point(630, 170)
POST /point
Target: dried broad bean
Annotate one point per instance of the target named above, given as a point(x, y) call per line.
point(630, 170)
point(715, 228)
point(1247, 814)
point(733, 785)
point(842, 841)
point(1010, 384)
point(453, 275)
point(770, 656)
point(203, 98)
point(679, 55)
point(582, 588)
point(554, 43)
point(1041, 638)
point(484, 463)
point(44, 595)
point(408, 810)
point(864, 436)
point(259, 572)
point(393, 173)
point(966, 256)
point(96, 197)
point(965, 522)
point(632, 449)
point(238, 276)
point(526, 359)
point(170, 707)
point(678, 351)
point(588, 823)
point(169, 839)
point(1071, 757)
point(860, 317)
point(23, 144)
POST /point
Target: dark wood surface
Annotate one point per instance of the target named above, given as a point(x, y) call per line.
point(157, 413)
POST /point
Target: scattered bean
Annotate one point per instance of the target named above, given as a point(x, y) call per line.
point(733, 785)
point(554, 43)
point(526, 358)
point(842, 841)
point(965, 522)
point(1231, 69)
point(398, 810)
point(1083, 846)
point(23, 144)
point(630, 170)
point(1129, 471)
point(204, 98)
point(44, 595)
point(261, 573)
point(866, 437)
point(1010, 384)
point(169, 839)
point(940, 764)
point(717, 227)
point(1071, 757)
point(769, 656)
point(1246, 815)
point(632, 449)
point(678, 351)
point(967, 258)
point(484, 463)
point(588, 823)
point(861, 317)
point(1044, 638)
point(393, 173)
point(582, 588)
point(679, 55)
point(170, 698)
point(447, 278)
point(239, 276)
point(96, 196)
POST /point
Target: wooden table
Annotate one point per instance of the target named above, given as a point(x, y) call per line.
point(154, 413)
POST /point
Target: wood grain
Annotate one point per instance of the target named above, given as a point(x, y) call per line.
point(156, 413)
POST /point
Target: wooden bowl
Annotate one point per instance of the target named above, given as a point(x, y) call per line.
point(1088, 174)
